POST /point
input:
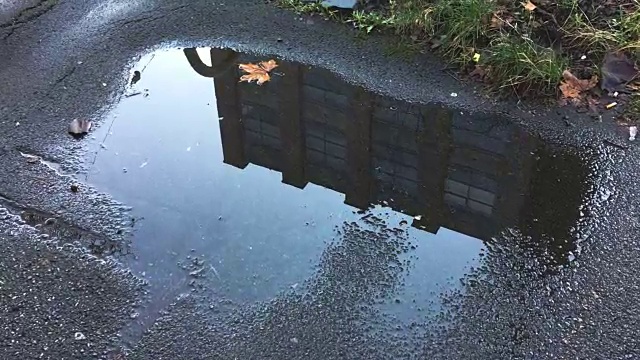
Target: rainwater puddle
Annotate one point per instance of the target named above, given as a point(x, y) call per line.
point(345, 4)
point(307, 183)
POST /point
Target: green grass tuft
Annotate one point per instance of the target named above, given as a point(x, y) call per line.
point(461, 26)
point(523, 66)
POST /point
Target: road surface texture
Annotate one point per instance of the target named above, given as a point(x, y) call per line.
point(68, 59)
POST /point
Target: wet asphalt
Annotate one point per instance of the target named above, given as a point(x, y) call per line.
point(67, 59)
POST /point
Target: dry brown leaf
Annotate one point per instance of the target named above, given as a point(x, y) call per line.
point(529, 6)
point(634, 86)
point(259, 77)
point(250, 68)
point(479, 72)
point(593, 103)
point(268, 65)
point(496, 22)
point(500, 18)
point(569, 91)
point(257, 72)
point(572, 87)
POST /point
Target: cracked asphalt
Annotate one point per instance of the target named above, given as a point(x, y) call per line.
point(65, 59)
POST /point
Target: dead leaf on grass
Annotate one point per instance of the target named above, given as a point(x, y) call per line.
point(617, 71)
point(529, 6)
point(479, 73)
point(257, 72)
point(572, 87)
point(500, 19)
point(634, 86)
point(496, 22)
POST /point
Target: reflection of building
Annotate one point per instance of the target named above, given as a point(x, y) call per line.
point(469, 175)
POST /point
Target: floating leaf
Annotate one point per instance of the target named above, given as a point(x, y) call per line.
point(257, 72)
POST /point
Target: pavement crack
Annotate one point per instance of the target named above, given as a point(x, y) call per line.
point(64, 76)
point(151, 16)
point(141, 19)
point(7, 201)
point(54, 226)
point(27, 15)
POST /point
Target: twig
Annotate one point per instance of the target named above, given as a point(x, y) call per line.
point(611, 143)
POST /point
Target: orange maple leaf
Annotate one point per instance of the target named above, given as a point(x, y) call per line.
point(572, 87)
point(257, 72)
point(268, 65)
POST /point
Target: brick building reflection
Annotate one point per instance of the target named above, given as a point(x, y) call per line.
point(471, 175)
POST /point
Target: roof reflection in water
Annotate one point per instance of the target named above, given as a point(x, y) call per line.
point(474, 175)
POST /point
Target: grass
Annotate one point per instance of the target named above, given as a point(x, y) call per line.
point(524, 67)
point(631, 114)
point(460, 26)
point(518, 50)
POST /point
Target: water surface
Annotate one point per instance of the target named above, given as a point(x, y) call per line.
point(310, 184)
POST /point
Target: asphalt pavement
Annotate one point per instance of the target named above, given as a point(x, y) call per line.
point(67, 59)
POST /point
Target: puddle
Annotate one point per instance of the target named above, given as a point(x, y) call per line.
point(253, 191)
point(345, 4)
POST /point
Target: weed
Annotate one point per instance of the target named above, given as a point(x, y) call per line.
point(367, 21)
point(523, 66)
point(411, 17)
point(303, 7)
point(514, 43)
point(631, 114)
point(581, 33)
point(461, 26)
point(630, 30)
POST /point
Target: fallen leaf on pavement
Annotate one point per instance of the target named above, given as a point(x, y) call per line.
point(79, 127)
point(529, 6)
point(572, 87)
point(617, 70)
point(257, 72)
